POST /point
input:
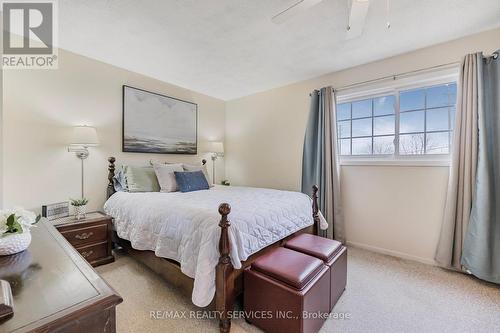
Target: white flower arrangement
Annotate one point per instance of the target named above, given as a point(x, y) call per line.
point(16, 221)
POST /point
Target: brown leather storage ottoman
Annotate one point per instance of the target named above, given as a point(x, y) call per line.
point(281, 286)
point(333, 254)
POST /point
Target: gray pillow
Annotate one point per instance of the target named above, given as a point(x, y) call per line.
point(166, 177)
point(141, 179)
point(203, 168)
point(119, 181)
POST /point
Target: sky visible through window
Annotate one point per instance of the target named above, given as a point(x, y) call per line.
point(426, 118)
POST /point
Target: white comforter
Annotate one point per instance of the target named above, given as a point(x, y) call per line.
point(184, 226)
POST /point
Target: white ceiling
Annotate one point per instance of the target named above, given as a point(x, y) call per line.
point(230, 48)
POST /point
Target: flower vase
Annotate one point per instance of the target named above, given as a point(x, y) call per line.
point(80, 212)
point(14, 243)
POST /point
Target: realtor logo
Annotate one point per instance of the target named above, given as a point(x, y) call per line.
point(29, 34)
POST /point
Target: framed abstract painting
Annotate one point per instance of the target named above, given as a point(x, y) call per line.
point(154, 123)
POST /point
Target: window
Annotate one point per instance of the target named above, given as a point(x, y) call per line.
point(401, 123)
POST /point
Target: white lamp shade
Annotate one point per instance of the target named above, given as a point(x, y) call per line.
point(216, 147)
point(85, 136)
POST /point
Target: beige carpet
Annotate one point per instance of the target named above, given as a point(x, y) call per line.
point(384, 294)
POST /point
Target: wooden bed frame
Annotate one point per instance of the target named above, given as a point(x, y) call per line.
point(229, 281)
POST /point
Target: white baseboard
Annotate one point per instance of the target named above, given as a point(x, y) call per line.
point(392, 253)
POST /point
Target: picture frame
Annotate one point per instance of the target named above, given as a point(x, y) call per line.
point(56, 210)
point(158, 124)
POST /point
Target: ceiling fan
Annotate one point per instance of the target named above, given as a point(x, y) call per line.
point(358, 9)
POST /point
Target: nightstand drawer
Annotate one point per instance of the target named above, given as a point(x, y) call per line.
point(91, 236)
point(94, 252)
point(87, 235)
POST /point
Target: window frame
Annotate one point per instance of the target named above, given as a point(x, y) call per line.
point(394, 87)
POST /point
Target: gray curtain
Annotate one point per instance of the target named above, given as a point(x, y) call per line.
point(463, 167)
point(481, 253)
point(320, 161)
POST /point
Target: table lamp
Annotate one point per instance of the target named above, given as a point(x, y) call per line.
point(82, 138)
point(216, 148)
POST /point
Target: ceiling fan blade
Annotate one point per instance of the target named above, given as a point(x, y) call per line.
point(297, 7)
point(357, 18)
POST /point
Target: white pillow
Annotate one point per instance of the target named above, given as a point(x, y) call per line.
point(166, 176)
point(203, 168)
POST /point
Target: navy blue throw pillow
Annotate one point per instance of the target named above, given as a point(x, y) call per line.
point(189, 181)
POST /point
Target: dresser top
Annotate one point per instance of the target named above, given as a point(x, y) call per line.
point(50, 281)
point(71, 220)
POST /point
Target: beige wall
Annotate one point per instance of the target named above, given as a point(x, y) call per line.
point(41, 105)
point(393, 209)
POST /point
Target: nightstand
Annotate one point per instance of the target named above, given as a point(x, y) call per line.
point(91, 237)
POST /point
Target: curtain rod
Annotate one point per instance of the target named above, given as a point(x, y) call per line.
point(395, 76)
point(494, 55)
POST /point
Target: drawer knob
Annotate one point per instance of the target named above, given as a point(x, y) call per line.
point(84, 235)
point(87, 254)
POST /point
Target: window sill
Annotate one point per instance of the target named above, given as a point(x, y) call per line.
point(394, 162)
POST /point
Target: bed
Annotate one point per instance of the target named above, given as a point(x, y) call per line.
point(194, 246)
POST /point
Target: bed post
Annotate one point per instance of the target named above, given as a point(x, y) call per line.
point(111, 174)
point(224, 283)
point(315, 210)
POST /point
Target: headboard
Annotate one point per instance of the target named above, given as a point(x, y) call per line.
point(111, 173)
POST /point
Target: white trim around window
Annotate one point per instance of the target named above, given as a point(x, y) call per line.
point(394, 87)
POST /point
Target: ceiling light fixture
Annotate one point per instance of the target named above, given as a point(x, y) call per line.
point(387, 14)
point(357, 17)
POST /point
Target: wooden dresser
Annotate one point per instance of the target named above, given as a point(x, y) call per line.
point(90, 236)
point(55, 289)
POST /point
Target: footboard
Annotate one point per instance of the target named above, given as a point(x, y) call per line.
point(224, 283)
point(226, 274)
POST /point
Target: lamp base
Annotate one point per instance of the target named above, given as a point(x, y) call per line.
point(81, 153)
point(214, 158)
